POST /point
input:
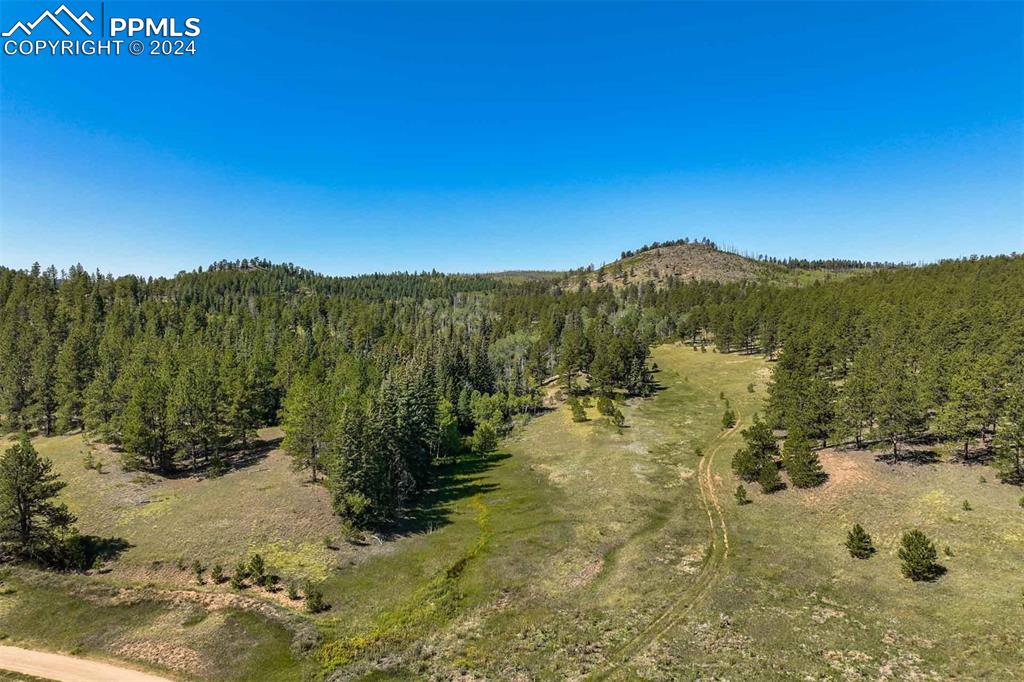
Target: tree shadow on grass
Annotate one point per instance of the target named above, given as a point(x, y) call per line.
point(256, 452)
point(918, 457)
point(83, 552)
point(453, 481)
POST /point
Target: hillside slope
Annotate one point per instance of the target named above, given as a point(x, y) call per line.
point(679, 261)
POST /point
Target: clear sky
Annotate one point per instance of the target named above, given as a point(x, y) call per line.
point(469, 137)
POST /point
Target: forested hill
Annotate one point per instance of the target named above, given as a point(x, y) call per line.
point(376, 377)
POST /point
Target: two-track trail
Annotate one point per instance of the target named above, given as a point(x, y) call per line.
point(689, 597)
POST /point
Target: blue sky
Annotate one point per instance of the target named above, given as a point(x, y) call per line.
point(469, 137)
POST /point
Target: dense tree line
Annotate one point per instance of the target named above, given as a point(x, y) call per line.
point(376, 378)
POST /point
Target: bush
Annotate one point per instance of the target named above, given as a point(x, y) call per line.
point(858, 542)
point(750, 388)
point(293, 590)
point(257, 567)
point(217, 574)
point(966, 505)
point(218, 467)
point(197, 570)
point(919, 557)
point(741, 495)
point(618, 418)
point(314, 599)
point(728, 418)
point(578, 413)
point(484, 438)
point(698, 450)
point(605, 406)
point(240, 574)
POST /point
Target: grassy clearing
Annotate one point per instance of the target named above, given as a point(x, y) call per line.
point(794, 604)
point(591, 531)
point(261, 507)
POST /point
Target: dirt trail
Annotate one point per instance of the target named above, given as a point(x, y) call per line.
point(709, 573)
point(68, 668)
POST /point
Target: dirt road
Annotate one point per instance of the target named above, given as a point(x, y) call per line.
point(68, 668)
point(717, 554)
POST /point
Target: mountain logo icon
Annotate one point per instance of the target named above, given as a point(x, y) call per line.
point(69, 16)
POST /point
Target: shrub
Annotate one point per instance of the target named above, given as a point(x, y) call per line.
point(240, 574)
point(217, 574)
point(618, 418)
point(741, 495)
point(919, 557)
point(314, 599)
point(605, 406)
point(750, 388)
point(257, 567)
point(484, 438)
point(218, 467)
point(293, 590)
point(578, 413)
point(698, 450)
point(966, 505)
point(858, 542)
point(197, 570)
point(728, 418)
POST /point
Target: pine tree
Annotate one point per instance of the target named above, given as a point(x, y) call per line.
point(858, 542)
point(32, 522)
point(144, 428)
point(760, 448)
point(919, 557)
point(741, 496)
point(802, 462)
point(44, 382)
point(192, 406)
point(897, 407)
point(769, 478)
point(746, 464)
point(962, 416)
point(74, 371)
point(240, 400)
point(448, 442)
point(306, 419)
point(1009, 439)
